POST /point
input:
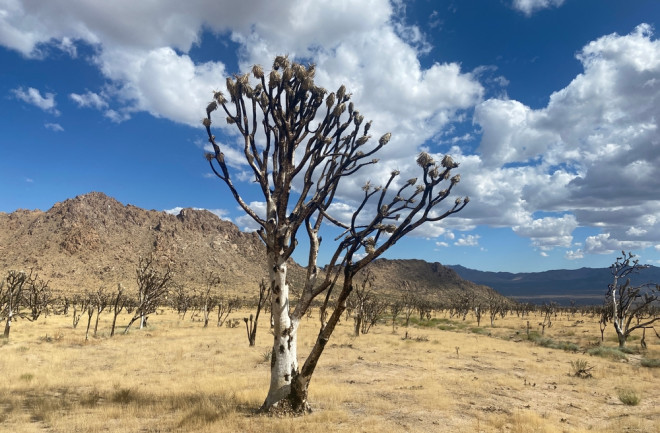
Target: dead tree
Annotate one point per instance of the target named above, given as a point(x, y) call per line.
point(153, 285)
point(225, 306)
point(395, 309)
point(80, 305)
point(629, 301)
point(293, 129)
point(101, 301)
point(38, 297)
point(212, 280)
point(91, 308)
point(181, 300)
point(11, 297)
point(496, 306)
point(366, 307)
point(409, 301)
point(118, 304)
point(548, 309)
point(264, 291)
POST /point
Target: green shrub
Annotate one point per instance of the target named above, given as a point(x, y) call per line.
point(628, 397)
point(607, 352)
point(650, 362)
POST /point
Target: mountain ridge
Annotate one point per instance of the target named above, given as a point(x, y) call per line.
point(583, 285)
point(93, 240)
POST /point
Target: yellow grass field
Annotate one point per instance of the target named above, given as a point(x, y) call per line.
point(448, 376)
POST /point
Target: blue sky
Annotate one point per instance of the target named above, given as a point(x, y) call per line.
point(552, 107)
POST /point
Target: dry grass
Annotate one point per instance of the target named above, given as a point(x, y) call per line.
point(178, 377)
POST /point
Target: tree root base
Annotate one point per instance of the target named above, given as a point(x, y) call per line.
point(284, 408)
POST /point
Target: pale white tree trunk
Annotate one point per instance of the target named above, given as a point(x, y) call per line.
point(284, 359)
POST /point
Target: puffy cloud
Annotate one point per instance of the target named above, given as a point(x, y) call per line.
point(467, 241)
point(245, 222)
point(574, 255)
point(528, 7)
point(549, 232)
point(605, 244)
point(590, 153)
point(33, 96)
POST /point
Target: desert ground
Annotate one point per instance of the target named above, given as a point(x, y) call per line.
point(448, 375)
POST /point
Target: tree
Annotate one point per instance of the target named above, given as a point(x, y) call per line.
point(225, 306)
point(80, 305)
point(153, 286)
point(11, 297)
point(118, 304)
point(101, 301)
point(628, 301)
point(207, 301)
point(295, 133)
point(38, 297)
point(264, 291)
point(366, 307)
point(181, 301)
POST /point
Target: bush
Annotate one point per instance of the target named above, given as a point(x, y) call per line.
point(607, 352)
point(552, 344)
point(650, 362)
point(580, 368)
point(628, 397)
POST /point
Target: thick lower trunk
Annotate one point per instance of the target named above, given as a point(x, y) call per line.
point(7, 327)
point(284, 360)
point(114, 323)
point(622, 340)
point(620, 333)
point(300, 384)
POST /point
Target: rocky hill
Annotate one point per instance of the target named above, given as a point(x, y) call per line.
point(94, 241)
point(432, 280)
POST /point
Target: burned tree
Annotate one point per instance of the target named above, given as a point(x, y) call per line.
point(296, 133)
point(11, 297)
point(225, 306)
point(38, 297)
point(264, 292)
point(153, 285)
point(627, 301)
point(207, 300)
point(366, 307)
point(80, 304)
point(119, 302)
point(22, 295)
point(181, 300)
point(101, 301)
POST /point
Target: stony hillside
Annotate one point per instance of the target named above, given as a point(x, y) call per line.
point(94, 241)
point(432, 280)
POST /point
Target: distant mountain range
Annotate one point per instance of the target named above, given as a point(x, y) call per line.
point(584, 285)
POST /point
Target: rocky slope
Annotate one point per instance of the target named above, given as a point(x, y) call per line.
point(94, 241)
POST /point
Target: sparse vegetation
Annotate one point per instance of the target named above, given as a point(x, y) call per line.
point(607, 352)
point(581, 368)
point(628, 397)
point(496, 383)
point(650, 362)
